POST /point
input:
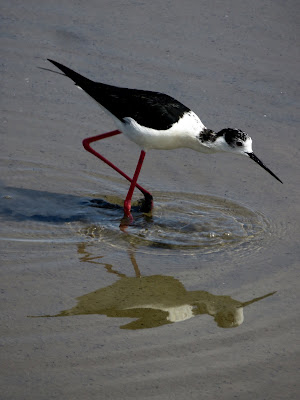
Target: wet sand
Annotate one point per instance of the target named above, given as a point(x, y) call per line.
point(199, 300)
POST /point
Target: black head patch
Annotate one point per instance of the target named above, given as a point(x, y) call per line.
point(233, 137)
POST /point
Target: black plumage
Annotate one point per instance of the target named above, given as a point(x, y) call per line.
point(150, 109)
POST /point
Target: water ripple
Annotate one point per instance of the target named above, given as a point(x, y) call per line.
point(188, 222)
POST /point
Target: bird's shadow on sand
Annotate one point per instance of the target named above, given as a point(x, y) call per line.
point(19, 204)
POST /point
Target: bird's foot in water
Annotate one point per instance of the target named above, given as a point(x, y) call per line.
point(145, 205)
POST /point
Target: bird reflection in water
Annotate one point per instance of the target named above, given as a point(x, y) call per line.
point(155, 300)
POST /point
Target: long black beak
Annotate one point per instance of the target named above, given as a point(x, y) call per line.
point(257, 160)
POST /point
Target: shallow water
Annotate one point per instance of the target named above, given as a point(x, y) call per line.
point(221, 247)
point(189, 223)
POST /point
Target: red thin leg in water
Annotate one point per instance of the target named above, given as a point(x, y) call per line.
point(127, 202)
point(86, 144)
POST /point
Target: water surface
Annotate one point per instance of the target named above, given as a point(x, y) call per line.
point(192, 285)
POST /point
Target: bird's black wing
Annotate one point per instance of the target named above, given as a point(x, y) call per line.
point(151, 109)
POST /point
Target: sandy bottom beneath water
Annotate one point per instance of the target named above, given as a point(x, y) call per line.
point(196, 300)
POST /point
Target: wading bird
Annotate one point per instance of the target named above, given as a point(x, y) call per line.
point(155, 120)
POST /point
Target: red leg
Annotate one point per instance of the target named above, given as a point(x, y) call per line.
point(86, 144)
point(127, 202)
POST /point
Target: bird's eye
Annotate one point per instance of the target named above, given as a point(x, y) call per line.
point(239, 143)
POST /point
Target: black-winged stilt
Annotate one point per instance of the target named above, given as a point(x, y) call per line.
point(155, 120)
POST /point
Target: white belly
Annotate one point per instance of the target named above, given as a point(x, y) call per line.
point(181, 134)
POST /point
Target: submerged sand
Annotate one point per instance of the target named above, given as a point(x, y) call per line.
point(199, 301)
